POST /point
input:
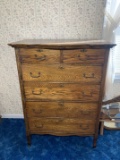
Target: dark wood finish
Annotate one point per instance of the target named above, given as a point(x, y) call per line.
point(62, 85)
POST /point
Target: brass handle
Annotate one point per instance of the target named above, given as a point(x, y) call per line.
point(40, 92)
point(91, 76)
point(35, 76)
point(86, 95)
point(83, 50)
point(42, 58)
point(37, 112)
point(39, 50)
point(84, 126)
point(61, 67)
point(38, 125)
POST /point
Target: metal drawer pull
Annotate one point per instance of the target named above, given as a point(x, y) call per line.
point(91, 76)
point(40, 92)
point(38, 125)
point(37, 112)
point(87, 95)
point(35, 76)
point(39, 50)
point(42, 58)
point(61, 67)
point(83, 50)
point(84, 126)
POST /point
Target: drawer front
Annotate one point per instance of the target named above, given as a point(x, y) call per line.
point(92, 56)
point(62, 109)
point(64, 73)
point(41, 56)
point(71, 126)
point(61, 91)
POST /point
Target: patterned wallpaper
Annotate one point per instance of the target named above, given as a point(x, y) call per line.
point(54, 19)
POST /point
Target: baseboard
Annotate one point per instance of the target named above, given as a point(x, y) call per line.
point(12, 116)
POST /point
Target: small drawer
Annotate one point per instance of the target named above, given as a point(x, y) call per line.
point(61, 125)
point(61, 91)
point(62, 73)
point(84, 56)
point(41, 56)
point(62, 109)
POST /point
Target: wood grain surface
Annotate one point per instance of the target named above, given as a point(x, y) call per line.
point(62, 109)
point(62, 73)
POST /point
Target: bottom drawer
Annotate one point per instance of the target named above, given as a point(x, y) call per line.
point(61, 126)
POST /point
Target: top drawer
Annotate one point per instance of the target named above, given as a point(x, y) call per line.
point(36, 55)
point(82, 56)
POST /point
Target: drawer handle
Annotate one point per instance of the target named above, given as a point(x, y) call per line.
point(38, 125)
point(91, 76)
point(87, 95)
point(35, 76)
point(84, 126)
point(83, 50)
point(37, 112)
point(40, 58)
point(40, 92)
point(39, 50)
point(61, 67)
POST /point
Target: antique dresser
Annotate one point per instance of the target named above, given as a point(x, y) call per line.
point(62, 85)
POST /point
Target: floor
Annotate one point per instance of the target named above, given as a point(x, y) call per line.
point(13, 145)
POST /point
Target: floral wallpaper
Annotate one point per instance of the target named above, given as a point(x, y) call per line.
point(51, 19)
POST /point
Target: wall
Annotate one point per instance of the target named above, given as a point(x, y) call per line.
point(21, 19)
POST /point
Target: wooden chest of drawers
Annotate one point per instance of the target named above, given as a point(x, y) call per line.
point(62, 85)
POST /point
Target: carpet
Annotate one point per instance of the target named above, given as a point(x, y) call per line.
point(13, 145)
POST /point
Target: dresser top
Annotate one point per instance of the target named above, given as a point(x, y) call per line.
point(61, 43)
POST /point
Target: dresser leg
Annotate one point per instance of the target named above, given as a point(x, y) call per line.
point(94, 141)
point(29, 140)
point(101, 128)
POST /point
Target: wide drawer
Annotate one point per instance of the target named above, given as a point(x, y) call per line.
point(61, 125)
point(61, 91)
point(62, 109)
point(62, 73)
point(92, 56)
point(41, 56)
